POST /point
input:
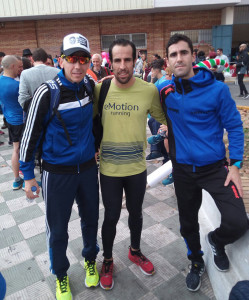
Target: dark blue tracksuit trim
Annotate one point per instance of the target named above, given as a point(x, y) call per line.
point(59, 192)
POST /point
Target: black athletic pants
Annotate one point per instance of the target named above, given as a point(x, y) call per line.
point(188, 186)
point(242, 87)
point(112, 192)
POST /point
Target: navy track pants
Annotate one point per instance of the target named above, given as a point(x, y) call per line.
point(59, 192)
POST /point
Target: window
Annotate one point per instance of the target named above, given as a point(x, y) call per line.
point(199, 36)
point(139, 39)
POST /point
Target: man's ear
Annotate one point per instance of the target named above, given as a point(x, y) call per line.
point(193, 57)
point(60, 61)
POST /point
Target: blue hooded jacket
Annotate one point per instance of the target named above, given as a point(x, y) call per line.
point(197, 111)
point(76, 110)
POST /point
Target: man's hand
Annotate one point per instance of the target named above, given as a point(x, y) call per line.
point(106, 77)
point(28, 186)
point(96, 156)
point(163, 128)
point(234, 176)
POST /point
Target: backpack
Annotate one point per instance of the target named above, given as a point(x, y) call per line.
point(97, 121)
point(55, 96)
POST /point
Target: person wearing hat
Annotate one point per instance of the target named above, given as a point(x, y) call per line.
point(28, 54)
point(69, 169)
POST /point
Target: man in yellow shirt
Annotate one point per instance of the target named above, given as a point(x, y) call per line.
point(122, 153)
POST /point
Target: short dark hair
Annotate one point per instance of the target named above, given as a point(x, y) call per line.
point(157, 64)
point(40, 55)
point(124, 43)
point(2, 54)
point(201, 53)
point(26, 63)
point(177, 37)
point(220, 49)
point(157, 56)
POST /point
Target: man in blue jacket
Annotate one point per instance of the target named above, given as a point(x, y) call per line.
point(69, 167)
point(198, 108)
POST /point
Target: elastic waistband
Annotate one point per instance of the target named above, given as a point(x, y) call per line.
point(61, 169)
point(194, 168)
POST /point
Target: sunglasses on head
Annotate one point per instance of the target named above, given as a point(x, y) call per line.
point(73, 59)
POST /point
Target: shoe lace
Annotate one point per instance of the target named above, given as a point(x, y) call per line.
point(90, 267)
point(108, 266)
point(63, 284)
point(140, 255)
point(196, 268)
point(218, 250)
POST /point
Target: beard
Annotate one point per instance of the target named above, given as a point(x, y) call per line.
point(124, 80)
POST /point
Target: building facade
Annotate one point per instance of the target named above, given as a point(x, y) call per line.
point(149, 23)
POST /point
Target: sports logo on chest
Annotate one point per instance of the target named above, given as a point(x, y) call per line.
point(120, 109)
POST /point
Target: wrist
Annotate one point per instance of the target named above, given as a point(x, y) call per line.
point(236, 163)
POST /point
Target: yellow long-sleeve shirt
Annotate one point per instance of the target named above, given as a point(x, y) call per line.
point(124, 117)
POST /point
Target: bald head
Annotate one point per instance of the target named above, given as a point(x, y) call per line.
point(96, 60)
point(10, 66)
point(242, 47)
point(9, 60)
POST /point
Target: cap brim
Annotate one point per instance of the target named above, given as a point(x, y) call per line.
point(73, 50)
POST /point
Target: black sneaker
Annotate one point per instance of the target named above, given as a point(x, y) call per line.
point(240, 96)
point(220, 258)
point(193, 279)
point(246, 96)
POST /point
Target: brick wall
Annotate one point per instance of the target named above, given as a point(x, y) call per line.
point(48, 34)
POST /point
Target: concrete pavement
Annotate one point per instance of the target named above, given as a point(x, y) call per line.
point(235, 91)
point(24, 259)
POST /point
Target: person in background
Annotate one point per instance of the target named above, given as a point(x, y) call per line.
point(4, 126)
point(28, 54)
point(49, 61)
point(138, 68)
point(220, 76)
point(26, 63)
point(99, 70)
point(241, 70)
point(12, 111)
point(157, 151)
point(201, 55)
point(20, 67)
point(2, 54)
point(105, 60)
point(32, 78)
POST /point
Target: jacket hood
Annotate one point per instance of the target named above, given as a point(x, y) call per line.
point(72, 86)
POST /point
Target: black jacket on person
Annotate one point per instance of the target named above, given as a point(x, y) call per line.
point(243, 61)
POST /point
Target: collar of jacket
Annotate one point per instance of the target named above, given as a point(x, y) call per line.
point(72, 86)
point(203, 77)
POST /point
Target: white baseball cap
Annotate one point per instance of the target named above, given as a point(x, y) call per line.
point(75, 42)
